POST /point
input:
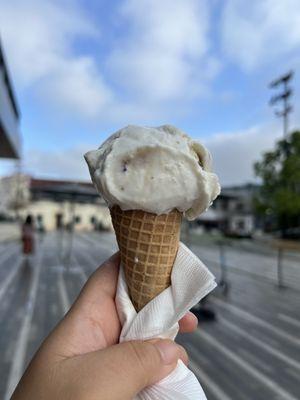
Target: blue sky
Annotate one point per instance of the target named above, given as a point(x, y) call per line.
point(82, 69)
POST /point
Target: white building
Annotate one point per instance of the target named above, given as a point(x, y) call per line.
point(54, 204)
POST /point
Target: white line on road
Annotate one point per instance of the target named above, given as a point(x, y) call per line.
point(82, 274)
point(288, 319)
point(63, 293)
point(218, 393)
point(256, 320)
point(259, 343)
point(17, 366)
point(109, 248)
point(91, 260)
point(9, 279)
point(102, 242)
point(94, 264)
point(256, 374)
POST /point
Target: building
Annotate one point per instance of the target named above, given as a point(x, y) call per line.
point(68, 204)
point(54, 204)
point(232, 212)
point(9, 114)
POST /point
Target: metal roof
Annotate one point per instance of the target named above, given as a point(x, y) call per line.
point(64, 191)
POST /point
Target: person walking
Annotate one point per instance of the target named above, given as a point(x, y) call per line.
point(28, 235)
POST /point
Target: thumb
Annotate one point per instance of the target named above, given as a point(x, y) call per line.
point(127, 368)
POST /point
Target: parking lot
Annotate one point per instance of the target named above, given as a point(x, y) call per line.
point(251, 351)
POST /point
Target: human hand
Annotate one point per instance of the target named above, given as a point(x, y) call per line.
point(81, 358)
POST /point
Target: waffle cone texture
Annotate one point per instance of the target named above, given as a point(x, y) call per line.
point(148, 245)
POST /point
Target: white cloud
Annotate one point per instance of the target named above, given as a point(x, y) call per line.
point(158, 61)
point(39, 41)
point(77, 85)
point(165, 55)
point(60, 164)
point(235, 153)
point(259, 31)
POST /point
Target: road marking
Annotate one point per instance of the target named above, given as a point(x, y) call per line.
point(92, 261)
point(218, 393)
point(252, 358)
point(258, 375)
point(17, 366)
point(294, 374)
point(9, 279)
point(63, 293)
point(105, 247)
point(104, 243)
point(81, 272)
point(85, 253)
point(259, 343)
point(288, 319)
point(256, 320)
point(65, 301)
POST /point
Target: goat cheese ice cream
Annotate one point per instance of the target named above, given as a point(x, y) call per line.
point(154, 170)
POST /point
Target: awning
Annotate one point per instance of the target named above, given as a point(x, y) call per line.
point(9, 115)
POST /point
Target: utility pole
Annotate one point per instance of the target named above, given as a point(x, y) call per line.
point(283, 97)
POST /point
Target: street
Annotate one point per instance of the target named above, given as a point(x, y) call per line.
point(251, 351)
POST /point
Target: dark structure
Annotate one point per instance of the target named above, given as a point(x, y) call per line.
point(9, 115)
point(57, 190)
point(283, 97)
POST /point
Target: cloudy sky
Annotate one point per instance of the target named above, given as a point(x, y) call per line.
point(84, 68)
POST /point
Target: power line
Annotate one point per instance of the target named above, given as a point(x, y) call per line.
point(283, 97)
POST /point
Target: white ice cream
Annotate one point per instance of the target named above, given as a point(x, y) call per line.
point(155, 170)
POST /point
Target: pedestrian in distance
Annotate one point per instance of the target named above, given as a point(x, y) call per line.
point(28, 235)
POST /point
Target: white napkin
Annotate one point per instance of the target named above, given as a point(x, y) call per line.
point(190, 282)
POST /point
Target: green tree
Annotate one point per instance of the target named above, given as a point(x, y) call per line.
point(279, 195)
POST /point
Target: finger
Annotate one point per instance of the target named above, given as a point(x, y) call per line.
point(99, 293)
point(123, 370)
point(81, 330)
point(188, 323)
point(102, 284)
point(106, 276)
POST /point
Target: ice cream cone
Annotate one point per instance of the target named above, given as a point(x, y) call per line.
point(148, 245)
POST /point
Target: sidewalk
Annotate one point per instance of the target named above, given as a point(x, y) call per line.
point(9, 231)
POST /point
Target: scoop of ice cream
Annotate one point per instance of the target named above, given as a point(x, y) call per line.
point(155, 170)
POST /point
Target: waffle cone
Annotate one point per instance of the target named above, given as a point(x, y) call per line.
point(148, 245)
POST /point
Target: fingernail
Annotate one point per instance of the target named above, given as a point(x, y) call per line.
point(192, 316)
point(169, 351)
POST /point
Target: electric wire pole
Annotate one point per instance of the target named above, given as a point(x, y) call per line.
point(283, 97)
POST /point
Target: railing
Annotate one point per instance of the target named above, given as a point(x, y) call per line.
point(276, 262)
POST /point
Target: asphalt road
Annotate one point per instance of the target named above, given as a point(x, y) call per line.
point(251, 351)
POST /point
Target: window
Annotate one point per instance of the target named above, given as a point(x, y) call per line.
point(59, 220)
point(77, 219)
point(239, 207)
point(241, 224)
point(224, 205)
